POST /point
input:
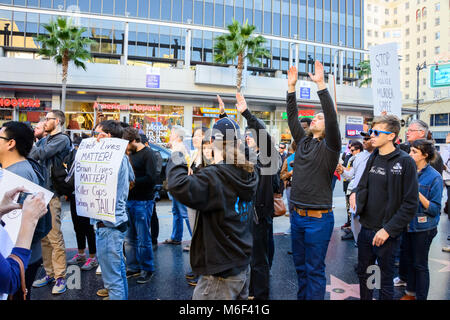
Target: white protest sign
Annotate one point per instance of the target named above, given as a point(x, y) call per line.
point(385, 71)
point(96, 171)
point(9, 181)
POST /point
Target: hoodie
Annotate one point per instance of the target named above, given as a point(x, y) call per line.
point(222, 195)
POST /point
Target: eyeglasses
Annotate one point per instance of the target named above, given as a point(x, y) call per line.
point(411, 130)
point(5, 138)
point(351, 150)
point(377, 132)
point(48, 119)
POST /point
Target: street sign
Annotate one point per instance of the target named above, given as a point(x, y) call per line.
point(441, 77)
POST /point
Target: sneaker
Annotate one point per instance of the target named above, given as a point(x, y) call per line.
point(103, 293)
point(78, 258)
point(132, 274)
point(60, 286)
point(171, 241)
point(347, 236)
point(187, 248)
point(90, 264)
point(99, 270)
point(346, 225)
point(43, 282)
point(446, 249)
point(192, 282)
point(190, 275)
point(145, 277)
point(399, 282)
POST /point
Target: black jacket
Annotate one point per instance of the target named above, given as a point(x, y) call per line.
point(222, 194)
point(268, 165)
point(315, 160)
point(402, 192)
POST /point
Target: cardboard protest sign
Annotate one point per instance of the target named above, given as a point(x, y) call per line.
point(9, 181)
point(385, 71)
point(96, 171)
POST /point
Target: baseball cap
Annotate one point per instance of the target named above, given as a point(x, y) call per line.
point(364, 134)
point(144, 138)
point(224, 126)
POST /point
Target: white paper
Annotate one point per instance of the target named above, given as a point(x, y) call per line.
point(9, 181)
point(385, 71)
point(97, 165)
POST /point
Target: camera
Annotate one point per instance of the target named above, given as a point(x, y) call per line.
point(23, 196)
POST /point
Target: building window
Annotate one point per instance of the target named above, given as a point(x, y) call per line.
point(386, 23)
point(386, 34)
point(395, 21)
point(437, 7)
point(424, 81)
point(407, 19)
point(369, 33)
point(439, 119)
point(369, 6)
point(424, 11)
point(437, 22)
point(375, 9)
point(407, 58)
point(407, 32)
point(369, 19)
point(418, 41)
point(407, 45)
point(424, 94)
point(407, 71)
point(424, 54)
point(418, 54)
point(395, 10)
point(424, 39)
point(437, 35)
point(376, 34)
point(406, 96)
point(407, 5)
point(424, 26)
point(375, 21)
point(437, 50)
point(406, 84)
point(386, 11)
point(418, 27)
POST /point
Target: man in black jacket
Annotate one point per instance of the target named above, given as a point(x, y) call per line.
point(315, 161)
point(222, 193)
point(386, 201)
point(259, 141)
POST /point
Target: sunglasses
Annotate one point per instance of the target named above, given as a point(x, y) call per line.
point(5, 138)
point(377, 132)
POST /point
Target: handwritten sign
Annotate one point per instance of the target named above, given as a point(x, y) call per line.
point(9, 181)
point(96, 170)
point(385, 79)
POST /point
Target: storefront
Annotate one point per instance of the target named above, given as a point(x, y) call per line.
point(155, 121)
point(282, 126)
point(23, 109)
point(206, 117)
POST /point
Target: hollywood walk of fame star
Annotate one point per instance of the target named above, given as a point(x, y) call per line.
point(447, 265)
point(340, 290)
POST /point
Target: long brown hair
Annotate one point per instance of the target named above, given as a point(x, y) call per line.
point(238, 158)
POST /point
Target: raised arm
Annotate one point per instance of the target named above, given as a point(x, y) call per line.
point(291, 107)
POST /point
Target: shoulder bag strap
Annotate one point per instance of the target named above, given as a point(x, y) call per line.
point(22, 275)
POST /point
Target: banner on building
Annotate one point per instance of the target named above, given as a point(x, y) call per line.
point(96, 171)
point(153, 77)
point(385, 71)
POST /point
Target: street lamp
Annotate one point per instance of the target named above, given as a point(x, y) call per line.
point(418, 68)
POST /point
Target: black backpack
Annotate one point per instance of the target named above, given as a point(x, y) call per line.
point(44, 224)
point(60, 173)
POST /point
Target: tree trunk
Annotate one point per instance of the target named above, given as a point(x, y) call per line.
point(65, 68)
point(240, 67)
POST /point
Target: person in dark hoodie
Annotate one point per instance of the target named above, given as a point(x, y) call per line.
point(222, 194)
point(315, 161)
point(386, 202)
point(260, 142)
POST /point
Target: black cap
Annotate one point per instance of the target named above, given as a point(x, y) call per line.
point(364, 134)
point(144, 138)
point(223, 126)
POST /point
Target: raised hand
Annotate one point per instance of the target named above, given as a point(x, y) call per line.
point(319, 74)
point(8, 204)
point(292, 78)
point(221, 105)
point(241, 104)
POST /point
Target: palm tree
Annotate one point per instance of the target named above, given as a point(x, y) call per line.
point(364, 73)
point(239, 43)
point(65, 43)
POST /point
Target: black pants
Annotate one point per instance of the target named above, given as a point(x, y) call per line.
point(83, 229)
point(403, 258)
point(260, 267)
point(418, 246)
point(154, 226)
point(385, 257)
point(30, 276)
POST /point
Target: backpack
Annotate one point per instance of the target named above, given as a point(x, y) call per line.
point(159, 165)
point(44, 224)
point(64, 183)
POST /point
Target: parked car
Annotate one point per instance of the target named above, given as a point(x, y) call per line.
point(165, 155)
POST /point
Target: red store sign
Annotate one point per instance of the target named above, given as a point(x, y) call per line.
point(21, 103)
point(126, 107)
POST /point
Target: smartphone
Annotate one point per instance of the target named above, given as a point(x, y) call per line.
point(23, 196)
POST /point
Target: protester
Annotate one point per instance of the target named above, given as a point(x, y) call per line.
point(423, 228)
point(446, 176)
point(359, 165)
point(15, 145)
point(50, 153)
point(286, 177)
point(110, 236)
point(32, 210)
point(179, 211)
point(316, 159)
point(261, 143)
point(39, 132)
point(140, 204)
point(84, 231)
point(386, 201)
point(221, 193)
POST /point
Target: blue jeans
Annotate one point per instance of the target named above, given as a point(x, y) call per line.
point(109, 243)
point(310, 237)
point(179, 212)
point(418, 246)
point(138, 242)
point(385, 257)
